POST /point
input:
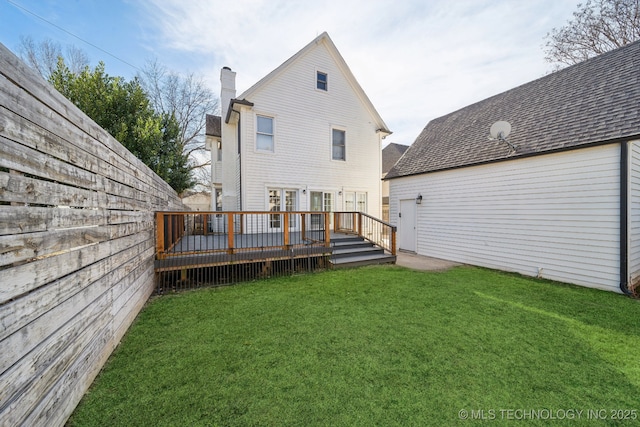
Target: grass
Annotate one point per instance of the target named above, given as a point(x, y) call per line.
point(375, 346)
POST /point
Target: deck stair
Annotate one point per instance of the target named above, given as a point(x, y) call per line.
point(355, 251)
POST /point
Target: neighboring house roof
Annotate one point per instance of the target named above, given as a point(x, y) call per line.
point(596, 101)
point(322, 38)
point(390, 155)
point(214, 126)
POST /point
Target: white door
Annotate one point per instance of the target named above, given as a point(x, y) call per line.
point(407, 225)
point(278, 203)
point(321, 201)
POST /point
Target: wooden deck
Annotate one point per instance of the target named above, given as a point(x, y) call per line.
point(196, 251)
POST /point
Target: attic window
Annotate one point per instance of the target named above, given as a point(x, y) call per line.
point(321, 80)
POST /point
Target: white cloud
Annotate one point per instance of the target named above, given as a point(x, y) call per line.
point(416, 60)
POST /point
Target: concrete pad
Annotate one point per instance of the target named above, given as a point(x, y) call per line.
point(419, 262)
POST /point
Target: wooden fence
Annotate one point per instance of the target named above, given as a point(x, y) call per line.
point(76, 247)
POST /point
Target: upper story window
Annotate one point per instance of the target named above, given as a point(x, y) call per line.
point(264, 134)
point(321, 80)
point(338, 143)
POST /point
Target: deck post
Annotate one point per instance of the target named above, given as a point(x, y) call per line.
point(285, 224)
point(159, 235)
point(230, 231)
point(359, 224)
point(393, 241)
point(303, 226)
point(327, 231)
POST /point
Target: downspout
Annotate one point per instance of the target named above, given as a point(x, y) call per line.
point(624, 224)
point(240, 157)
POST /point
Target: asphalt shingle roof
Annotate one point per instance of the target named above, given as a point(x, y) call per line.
point(214, 125)
point(592, 102)
point(390, 155)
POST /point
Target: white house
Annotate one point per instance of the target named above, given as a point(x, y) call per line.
point(304, 137)
point(558, 198)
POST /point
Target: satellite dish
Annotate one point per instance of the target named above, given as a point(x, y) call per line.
point(500, 130)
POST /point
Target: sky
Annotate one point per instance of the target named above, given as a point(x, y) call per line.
point(416, 59)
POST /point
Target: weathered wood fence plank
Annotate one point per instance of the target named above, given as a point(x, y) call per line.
point(20, 312)
point(77, 225)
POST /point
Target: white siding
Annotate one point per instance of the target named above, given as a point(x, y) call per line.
point(634, 211)
point(554, 215)
point(303, 119)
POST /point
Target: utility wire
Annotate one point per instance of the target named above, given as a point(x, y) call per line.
point(73, 35)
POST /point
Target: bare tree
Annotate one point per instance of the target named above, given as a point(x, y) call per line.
point(43, 56)
point(189, 100)
point(204, 179)
point(597, 27)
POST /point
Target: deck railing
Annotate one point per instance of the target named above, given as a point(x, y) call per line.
point(368, 227)
point(184, 233)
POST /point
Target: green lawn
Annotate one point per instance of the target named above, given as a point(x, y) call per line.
point(376, 346)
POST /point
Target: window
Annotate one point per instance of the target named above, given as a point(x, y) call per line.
point(219, 151)
point(349, 201)
point(355, 201)
point(328, 202)
point(218, 197)
point(362, 202)
point(321, 81)
point(274, 206)
point(338, 144)
point(264, 135)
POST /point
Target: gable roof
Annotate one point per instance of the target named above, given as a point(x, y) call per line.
point(390, 155)
point(213, 126)
point(593, 102)
point(326, 40)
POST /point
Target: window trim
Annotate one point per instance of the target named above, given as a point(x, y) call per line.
point(273, 134)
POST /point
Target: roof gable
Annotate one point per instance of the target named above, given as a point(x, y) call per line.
point(322, 40)
point(592, 102)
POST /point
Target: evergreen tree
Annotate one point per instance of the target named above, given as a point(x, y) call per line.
point(123, 109)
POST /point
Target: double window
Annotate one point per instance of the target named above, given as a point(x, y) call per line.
point(264, 134)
